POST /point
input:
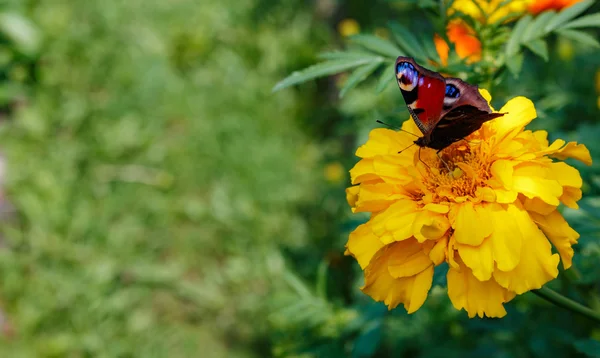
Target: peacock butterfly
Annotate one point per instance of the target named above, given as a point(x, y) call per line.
point(446, 110)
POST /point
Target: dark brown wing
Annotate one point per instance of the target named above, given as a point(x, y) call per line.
point(460, 93)
point(457, 124)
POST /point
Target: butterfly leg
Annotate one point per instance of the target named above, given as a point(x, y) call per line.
point(422, 161)
point(442, 160)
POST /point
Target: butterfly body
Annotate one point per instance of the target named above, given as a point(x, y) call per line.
point(446, 110)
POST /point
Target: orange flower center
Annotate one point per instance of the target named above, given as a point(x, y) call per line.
point(458, 171)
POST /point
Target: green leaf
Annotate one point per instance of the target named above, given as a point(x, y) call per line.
point(367, 342)
point(512, 47)
point(589, 347)
point(407, 41)
point(514, 64)
point(430, 50)
point(377, 44)
point(345, 55)
point(359, 75)
point(321, 287)
point(387, 76)
point(539, 47)
point(322, 69)
point(537, 28)
point(22, 32)
point(592, 20)
point(567, 14)
point(579, 36)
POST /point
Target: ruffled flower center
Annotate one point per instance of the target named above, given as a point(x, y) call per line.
point(459, 171)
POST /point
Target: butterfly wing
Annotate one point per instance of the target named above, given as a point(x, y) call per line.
point(423, 91)
point(459, 93)
point(464, 111)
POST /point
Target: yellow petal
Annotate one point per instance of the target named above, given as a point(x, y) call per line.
point(537, 264)
point(502, 170)
point(506, 238)
point(478, 258)
point(377, 197)
point(430, 226)
point(472, 223)
point(438, 252)
point(395, 223)
point(530, 179)
point(519, 112)
point(505, 196)
point(537, 205)
point(562, 236)
point(485, 194)
point(541, 137)
point(394, 168)
point(363, 171)
point(565, 174)
point(408, 259)
point(381, 286)
point(570, 179)
point(451, 252)
point(486, 95)
point(481, 298)
point(437, 208)
point(575, 151)
point(352, 195)
point(383, 141)
point(363, 244)
point(570, 197)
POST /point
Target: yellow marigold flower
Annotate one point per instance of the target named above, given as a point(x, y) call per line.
point(489, 11)
point(465, 42)
point(493, 218)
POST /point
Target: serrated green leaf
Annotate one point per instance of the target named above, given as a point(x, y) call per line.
point(567, 14)
point(322, 69)
point(344, 55)
point(537, 28)
point(358, 75)
point(514, 64)
point(387, 76)
point(377, 44)
point(407, 41)
point(592, 20)
point(512, 47)
point(539, 47)
point(579, 36)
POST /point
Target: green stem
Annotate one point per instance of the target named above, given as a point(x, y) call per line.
point(564, 302)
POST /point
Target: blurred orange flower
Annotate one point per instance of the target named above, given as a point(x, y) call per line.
point(465, 42)
point(538, 6)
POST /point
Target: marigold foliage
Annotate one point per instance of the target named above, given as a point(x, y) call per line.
point(493, 218)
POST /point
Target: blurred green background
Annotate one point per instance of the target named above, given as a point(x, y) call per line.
point(160, 201)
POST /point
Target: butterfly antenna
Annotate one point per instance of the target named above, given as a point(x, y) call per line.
point(396, 128)
point(407, 148)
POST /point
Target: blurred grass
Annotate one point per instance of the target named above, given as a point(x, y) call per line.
point(166, 204)
point(155, 177)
